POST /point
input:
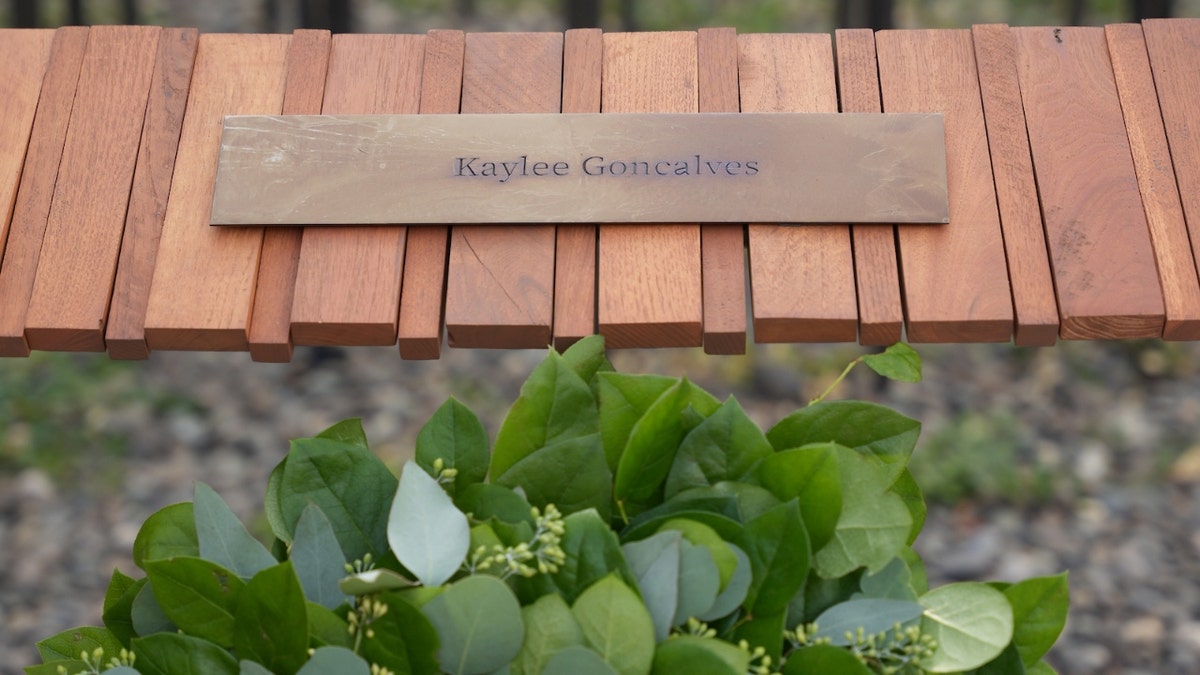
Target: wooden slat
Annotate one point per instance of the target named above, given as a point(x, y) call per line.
point(722, 247)
point(649, 275)
point(1156, 181)
point(69, 303)
point(500, 284)
point(32, 206)
point(25, 55)
point(271, 321)
point(801, 278)
point(876, 270)
point(125, 335)
point(954, 277)
point(348, 280)
point(1034, 304)
point(575, 247)
point(1099, 242)
point(204, 277)
point(1172, 46)
point(420, 329)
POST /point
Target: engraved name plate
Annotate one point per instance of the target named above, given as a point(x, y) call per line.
point(581, 168)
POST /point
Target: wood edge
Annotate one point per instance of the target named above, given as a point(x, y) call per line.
point(808, 330)
point(637, 335)
point(337, 334)
point(60, 339)
point(192, 339)
point(479, 336)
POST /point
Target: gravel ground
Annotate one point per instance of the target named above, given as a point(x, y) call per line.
point(1109, 428)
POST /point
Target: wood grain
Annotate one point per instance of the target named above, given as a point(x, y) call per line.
point(125, 335)
point(32, 206)
point(69, 303)
point(25, 55)
point(421, 302)
point(1156, 181)
point(954, 277)
point(575, 245)
point(204, 278)
point(1172, 46)
point(1016, 193)
point(801, 278)
point(500, 283)
point(876, 269)
point(649, 275)
point(271, 318)
point(722, 247)
point(348, 279)
point(1100, 248)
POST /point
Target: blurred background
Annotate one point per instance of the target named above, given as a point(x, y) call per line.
point(1084, 456)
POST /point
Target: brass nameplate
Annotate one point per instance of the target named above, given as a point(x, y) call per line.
point(581, 168)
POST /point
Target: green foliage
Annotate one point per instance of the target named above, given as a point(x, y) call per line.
point(633, 524)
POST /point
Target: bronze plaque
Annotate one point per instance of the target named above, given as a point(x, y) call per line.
point(582, 168)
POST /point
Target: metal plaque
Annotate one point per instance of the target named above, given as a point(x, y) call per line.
point(582, 168)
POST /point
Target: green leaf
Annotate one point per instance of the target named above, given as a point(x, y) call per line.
point(577, 661)
point(482, 501)
point(251, 668)
point(719, 510)
point(170, 531)
point(777, 545)
point(874, 523)
point(623, 399)
point(1040, 668)
point(325, 628)
point(699, 656)
point(318, 558)
point(824, 659)
point(616, 624)
point(427, 532)
point(351, 485)
point(549, 628)
point(893, 582)
point(405, 641)
point(571, 474)
point(198, 596)
point(338, 660)
point(479, 623)
point(762, 630)
point(118, 605)
point(271, 507)
point(725, 446)
point(971, 622)
point(699, 581)
point(907, 489)
point(348, 432)
point(588, 358)
point(1039, 614)
point(272, 620)
point(872, 615)
point(810, 475)
point(916, 568)
point(700, 534)
point(898, 362)
point(223, 538)
point(868, 428)
point(121, 670)
point(655, 564)
point(69, 643)
point(653, 442)
point(146, 615)
point(454, 435)
point(373, 581)
point(734, 593)
point(1008, 663)
point(174, 653)
point(592, 553)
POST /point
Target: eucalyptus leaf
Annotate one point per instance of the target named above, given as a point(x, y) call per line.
point(271, 620)
point(478, 620)
point(352, 487)
point(874, 523)
point(456, 436)
point(223, 538)
point(872, 615)
point(616, 624)
point(699, 581)
point(971, 622)
point(318, 559)
point(1039, 614)
point(777, 545)
point(700, 534)
point(898, 362)
point(577, 661)
point(69, 643)
point(592, 553)
point(198, 596)
point(175, 653)
point(405, 641)
point(893, 582)
point(482, 501)
point(703, 656)
point(373, 581)
point(251, 668)
point(340, 660)
point(169, 532)
point(328, 629)
point(734, 593)
point(623, 400)
point(550, 627)
point(655, 563)
point(810, 475)
point(868, 428)
point(824, 659)
point(146, 616)
point(718, 510)
point(726, 446)
point(427, 532)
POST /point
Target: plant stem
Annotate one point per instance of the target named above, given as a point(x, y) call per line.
point(835, 383)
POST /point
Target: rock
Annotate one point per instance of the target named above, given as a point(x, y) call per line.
point(1144, 630)
point(1186, 636)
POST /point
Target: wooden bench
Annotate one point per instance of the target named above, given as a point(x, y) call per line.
point(1073, 159)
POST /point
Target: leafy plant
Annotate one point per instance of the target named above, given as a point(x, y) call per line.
point(632, 524)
